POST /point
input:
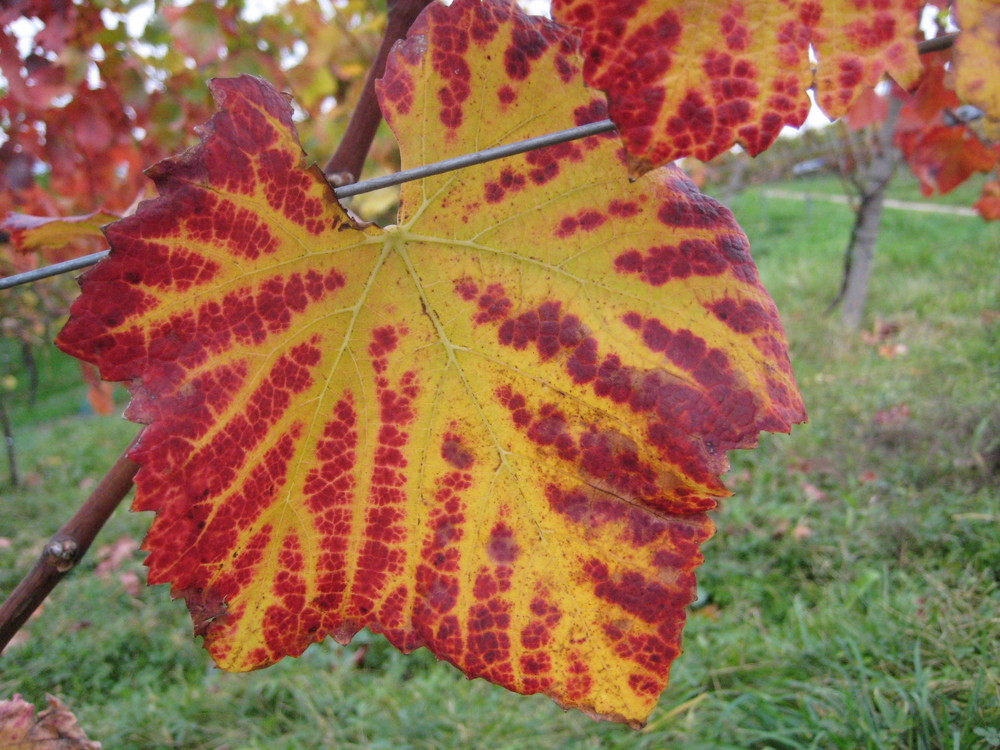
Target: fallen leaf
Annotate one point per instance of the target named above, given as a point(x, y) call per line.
point(33, 479)
point(17, 640)
point(801, 532)
point(111, 556)
point(811, 466)
point(131, 582)
point(738, 478)
point(891, 351)
point(54, 728)
point(893, 416)
point(881, 331)
point(709, 611)
point(812, 492)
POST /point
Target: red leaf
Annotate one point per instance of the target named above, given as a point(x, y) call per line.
point(988, 205)
point(942, 155)
point(868, 109)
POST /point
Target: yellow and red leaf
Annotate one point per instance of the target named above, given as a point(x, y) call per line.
point(694, 79)
point(856, 43)
point(43, 233)
point(492, 430)
point(977, 58)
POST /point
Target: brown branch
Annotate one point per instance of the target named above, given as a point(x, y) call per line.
point(937, 43)
point(346, 164)
point(66, 548)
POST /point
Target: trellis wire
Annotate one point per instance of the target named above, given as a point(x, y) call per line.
point(458, 162)
point(366, 186)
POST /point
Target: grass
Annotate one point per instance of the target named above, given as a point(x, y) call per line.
point(904, 187)
point(852, 588)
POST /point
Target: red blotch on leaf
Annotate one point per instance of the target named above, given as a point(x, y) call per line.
point(455, 453)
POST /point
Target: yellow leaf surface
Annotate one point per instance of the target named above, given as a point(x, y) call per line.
point(977, 58)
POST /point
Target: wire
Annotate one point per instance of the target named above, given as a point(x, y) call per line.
point(458, 162)
point(53, 270)
point(366, 186)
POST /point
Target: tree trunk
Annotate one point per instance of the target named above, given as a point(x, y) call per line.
point(861, 252)
point(736, 182)
point(8, 439)
point(31, 365)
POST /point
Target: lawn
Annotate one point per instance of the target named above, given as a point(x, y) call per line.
point(850, 598)
point(904, 187)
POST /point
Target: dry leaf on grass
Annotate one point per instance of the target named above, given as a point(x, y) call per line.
point(54, 728)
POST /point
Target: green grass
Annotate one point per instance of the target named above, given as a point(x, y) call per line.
point(853, 583)
point(904, 187)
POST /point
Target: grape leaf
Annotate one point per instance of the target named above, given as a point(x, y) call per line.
point(942, 155)
point(988, 204)
point(492, 430)
point(40, 233)
point(197, 29)
point(869, 110)
point(693, 79)
point(856, 42)
point(977, 58)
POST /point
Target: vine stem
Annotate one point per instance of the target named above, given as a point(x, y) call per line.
point(938, 43)
point(347, 162)
point(64, 550)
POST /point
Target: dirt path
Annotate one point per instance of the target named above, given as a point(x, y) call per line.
point(931, 208)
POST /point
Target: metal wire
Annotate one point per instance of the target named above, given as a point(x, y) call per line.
point(366, 186)
point(459, 162)
point(52, 270)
